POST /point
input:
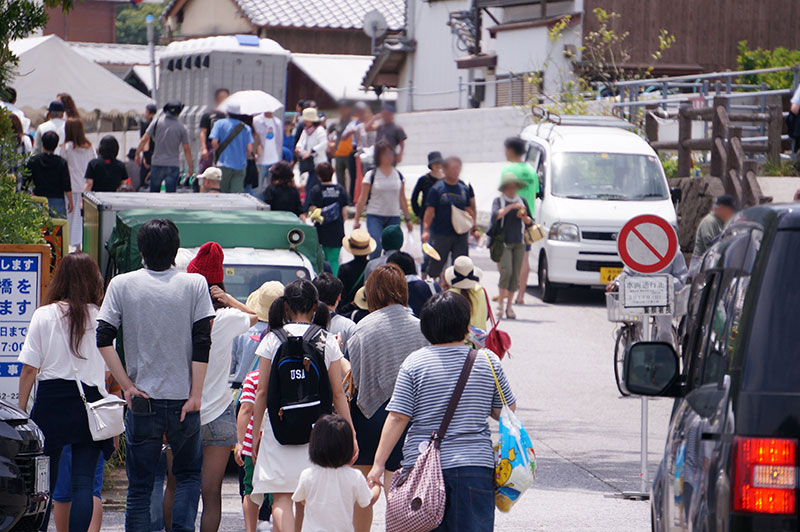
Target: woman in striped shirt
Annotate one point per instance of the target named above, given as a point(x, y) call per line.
point(424, 386)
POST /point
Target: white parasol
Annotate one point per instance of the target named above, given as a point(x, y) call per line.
point(250, 102)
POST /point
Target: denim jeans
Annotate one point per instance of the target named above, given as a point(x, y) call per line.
point(469, 503)
point(168, 174)
point(58, 205)
point(157, 497)
point(375, 226)
point(144, 435)
point(84, 465)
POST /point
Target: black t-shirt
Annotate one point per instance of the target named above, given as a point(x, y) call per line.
point(350, 273)
point(106, 174)
point(283, 199)
point(50, 175)
point(322, 195)
point(391, 133)
point(207, 121)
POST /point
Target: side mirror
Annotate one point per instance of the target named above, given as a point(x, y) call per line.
point(651, 368)
point(677, 194)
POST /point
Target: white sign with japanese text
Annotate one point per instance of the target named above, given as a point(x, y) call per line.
point(648, 294)
point(20, 295)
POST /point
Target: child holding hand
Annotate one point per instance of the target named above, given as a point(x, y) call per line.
point(330, 488)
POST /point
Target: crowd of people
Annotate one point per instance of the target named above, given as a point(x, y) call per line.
point(205, 375)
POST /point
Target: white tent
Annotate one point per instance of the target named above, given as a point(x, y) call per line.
point(48, 66)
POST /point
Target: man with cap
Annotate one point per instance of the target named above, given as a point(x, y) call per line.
point(360, 245)
point(391, 241)
point(232, 141)
point(169, 135)
point(388, 130)
point(209, 179)
point(711, 226)
point(55, 122)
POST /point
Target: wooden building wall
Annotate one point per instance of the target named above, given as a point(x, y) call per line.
point(706, 31)
point(88, 21)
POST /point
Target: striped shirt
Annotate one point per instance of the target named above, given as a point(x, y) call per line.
point(424, 386)
point(249, 388)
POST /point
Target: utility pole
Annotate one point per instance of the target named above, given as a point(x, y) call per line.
point(151, 48)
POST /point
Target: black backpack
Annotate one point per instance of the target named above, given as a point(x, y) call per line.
point(299, 389)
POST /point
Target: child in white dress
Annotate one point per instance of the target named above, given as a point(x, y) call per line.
point(330, 488)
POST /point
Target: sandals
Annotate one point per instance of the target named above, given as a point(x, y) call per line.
point(500, 312)
point(510, 314)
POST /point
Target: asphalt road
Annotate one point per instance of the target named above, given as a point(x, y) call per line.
point(586, 436)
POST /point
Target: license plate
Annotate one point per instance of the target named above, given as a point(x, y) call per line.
point(42, 474)
point(609, 274)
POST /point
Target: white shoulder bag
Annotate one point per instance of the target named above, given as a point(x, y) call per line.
point(106, 416)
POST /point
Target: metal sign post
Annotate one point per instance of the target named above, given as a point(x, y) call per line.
point(647, 245)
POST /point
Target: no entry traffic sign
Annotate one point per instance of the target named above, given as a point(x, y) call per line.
point(647, 244)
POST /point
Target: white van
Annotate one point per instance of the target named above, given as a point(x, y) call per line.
point(594, 176)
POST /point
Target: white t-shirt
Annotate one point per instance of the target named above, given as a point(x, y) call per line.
point(796, 97)
point(270, 344)
point(228, 324)
point(54, 124)
point(47, 348)
point(77, 161)
point(384, 194)
point(330, 495)
point(268, 130)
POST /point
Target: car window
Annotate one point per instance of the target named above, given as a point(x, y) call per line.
point(535, 158)
point(616, 176)
point(773, 335)
point(242, 280)
point(699, 340)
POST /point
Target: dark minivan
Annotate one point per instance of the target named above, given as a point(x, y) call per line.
point(24, 471)
point(731, 456)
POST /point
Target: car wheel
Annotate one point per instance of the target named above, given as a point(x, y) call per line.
point(548, 291)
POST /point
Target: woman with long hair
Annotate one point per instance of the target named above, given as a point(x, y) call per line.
point(23, 146)
point(278, 467)
point(78, 152)
point(377, 348)
point(281, 194)
point(383, 196)
point(70, 109)
point(59, 348)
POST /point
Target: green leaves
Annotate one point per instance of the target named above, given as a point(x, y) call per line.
point(759, 58)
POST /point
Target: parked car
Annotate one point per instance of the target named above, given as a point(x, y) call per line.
point(731, 455)
point(594, 176)
point(24, 471)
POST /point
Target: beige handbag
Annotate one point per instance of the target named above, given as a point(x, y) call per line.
point(461, 220)
point(533, 233)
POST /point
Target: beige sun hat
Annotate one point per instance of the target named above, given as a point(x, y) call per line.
point(463, 274)
point(359, 243)
point(261, 300)
point(360, 300)
point(310, 115)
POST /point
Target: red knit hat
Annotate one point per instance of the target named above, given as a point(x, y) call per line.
point(208, 263)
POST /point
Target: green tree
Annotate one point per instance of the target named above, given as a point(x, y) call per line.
point(131, 24)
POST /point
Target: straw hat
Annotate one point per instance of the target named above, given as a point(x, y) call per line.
point(360, 300)
point(261, 300)
point(509, 177)
point(359, 243)
point(463, 274)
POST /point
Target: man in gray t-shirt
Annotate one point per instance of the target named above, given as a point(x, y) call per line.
point(169, 136)
point(165, 317)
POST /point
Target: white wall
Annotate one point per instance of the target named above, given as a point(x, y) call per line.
point(431, 68)
point(474, 135)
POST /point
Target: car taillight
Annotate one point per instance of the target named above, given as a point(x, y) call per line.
point(765, 475)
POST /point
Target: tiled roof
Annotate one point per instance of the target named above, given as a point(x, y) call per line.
point(340, 14)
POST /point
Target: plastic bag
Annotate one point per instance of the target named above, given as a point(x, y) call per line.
point(515, 459)
point(412, 246)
